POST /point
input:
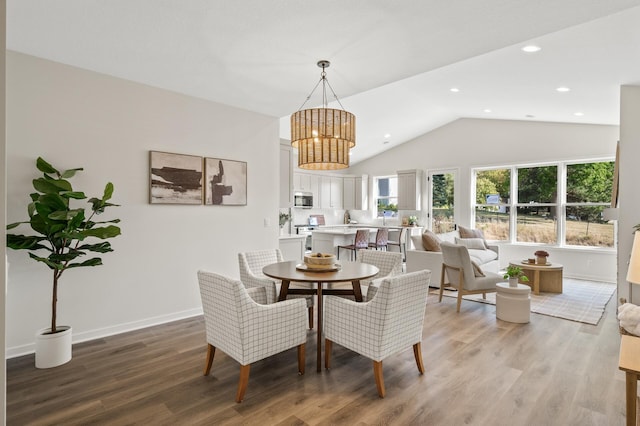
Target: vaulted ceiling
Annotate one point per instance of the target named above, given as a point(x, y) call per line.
point(393, 63)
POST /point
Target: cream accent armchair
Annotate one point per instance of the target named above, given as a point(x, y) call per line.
point(456, 265)
point(391, 322)
point(388, 263)
point(251, 264)
point(245, 330)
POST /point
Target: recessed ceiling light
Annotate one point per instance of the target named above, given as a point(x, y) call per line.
point(563, 89)
point(487, 110)
point(578, 114)
point(387, 135)
point(530, 116)
point(454, 90)
point(531, 48)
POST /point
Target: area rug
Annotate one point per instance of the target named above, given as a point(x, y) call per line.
point(581, 301)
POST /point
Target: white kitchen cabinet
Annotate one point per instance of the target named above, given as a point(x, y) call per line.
point(409, 196)
point(330, 192)
point(355, 192)
point(307, 182)
point(286, 177)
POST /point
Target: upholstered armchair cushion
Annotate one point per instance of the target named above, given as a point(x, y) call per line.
point(392, 321)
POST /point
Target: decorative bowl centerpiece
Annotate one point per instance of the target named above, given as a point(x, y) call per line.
point(320, 260)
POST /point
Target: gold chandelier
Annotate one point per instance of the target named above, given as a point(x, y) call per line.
point(323, 136)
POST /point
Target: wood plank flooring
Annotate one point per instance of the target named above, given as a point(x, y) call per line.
point(479, 371)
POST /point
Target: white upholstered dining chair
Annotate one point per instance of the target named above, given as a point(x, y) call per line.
point(388, 263)
point(251, 264)
point(467, 279)
point(389, 323)
point(245, 330)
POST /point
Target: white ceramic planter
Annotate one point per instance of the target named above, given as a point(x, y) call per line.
point(513, 282)
point(53, 350)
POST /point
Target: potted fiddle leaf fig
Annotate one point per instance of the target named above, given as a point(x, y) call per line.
point(66, 233)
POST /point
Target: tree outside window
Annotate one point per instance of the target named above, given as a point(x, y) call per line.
point(492, 208)
point(544, 208)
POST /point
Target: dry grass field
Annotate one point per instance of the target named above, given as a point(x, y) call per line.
point(540, 230)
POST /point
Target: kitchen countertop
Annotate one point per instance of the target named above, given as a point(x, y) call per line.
point(292, 237)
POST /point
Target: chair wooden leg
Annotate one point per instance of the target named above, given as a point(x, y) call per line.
point(211, 351)
point(377, 372)
point(242, 384)
point(327, 353)
point(484, 296)
point(310, 317)
point(441, 284)
point(460, 286)
point(417, 353)
point(301, 359)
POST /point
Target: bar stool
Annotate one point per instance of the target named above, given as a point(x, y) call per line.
point(401, 243)
point(382, 239)
point(361, 241)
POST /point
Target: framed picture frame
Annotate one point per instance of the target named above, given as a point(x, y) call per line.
point(225, 182)
point(175, 178)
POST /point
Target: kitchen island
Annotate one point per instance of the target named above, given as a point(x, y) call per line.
point(327, 239)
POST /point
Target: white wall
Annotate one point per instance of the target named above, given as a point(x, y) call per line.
point(3, 211)
point(629, 201)
point(468, 143)
point(77, 118)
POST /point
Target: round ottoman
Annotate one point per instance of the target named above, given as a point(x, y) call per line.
point(513, 303)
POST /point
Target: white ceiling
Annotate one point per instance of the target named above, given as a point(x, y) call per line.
point(393, 62)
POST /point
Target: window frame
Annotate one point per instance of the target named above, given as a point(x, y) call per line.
point(376, 195)
point(561, 201)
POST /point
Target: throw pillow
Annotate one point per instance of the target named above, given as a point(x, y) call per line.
point(476, 269)
point(472, 233)
point(430, 241)
point(471, 243)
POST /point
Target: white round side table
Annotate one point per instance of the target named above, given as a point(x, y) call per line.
point(513, 304)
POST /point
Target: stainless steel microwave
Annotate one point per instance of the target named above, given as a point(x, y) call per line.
point(303, 200)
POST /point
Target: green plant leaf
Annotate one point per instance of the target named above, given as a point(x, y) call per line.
point(45, 167)
point(65, 257)
point(108, 191)
point(70, 173)
point(46, 261)
point(51, 186)
point(54, 202)
point(100, 247)
point(25, 242)
point(73, 194)
point(14, 225)
point(67, 215)
point(102, 233)
point(96, 261)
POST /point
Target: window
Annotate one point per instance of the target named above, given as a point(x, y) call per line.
point(441, 196)
point(558, 203)
point(493, 203)
point(387, 196)
point(536, 207)
point(588, 194)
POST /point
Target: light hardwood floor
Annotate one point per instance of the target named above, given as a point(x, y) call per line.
point(479, 371)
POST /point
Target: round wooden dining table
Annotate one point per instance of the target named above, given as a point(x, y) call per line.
point(293, 271)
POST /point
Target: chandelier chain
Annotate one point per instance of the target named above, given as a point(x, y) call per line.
point(325, 82)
